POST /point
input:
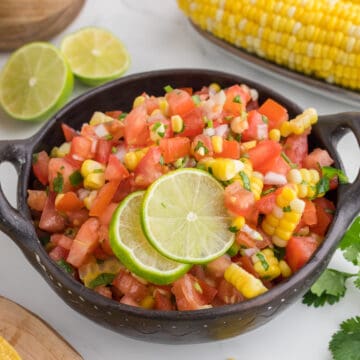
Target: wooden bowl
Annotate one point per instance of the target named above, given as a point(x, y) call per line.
point(22, 21)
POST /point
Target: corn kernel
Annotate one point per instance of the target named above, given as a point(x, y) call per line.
point(132, 158)
point(88, 201)
point(89, 166)
point(268, 229)
point(61, 151)
point(223, 169)
point(297, 205)
point(282, 234)
point(147, 302)
point(239, 124)
point(139, 100)
point(285, 128)
point(278, 242)
point(177, 124)
point(272, 220)
point(305, 174)
point(285, 268)
point(217, 143)
point(94, 181)
point(99, 118)
point(286, 195)
point(215, 87)
point(164, 106)
point(275, 135)
point(294, 176)
point(286, 225)
point(238, 222)
point(292, 216)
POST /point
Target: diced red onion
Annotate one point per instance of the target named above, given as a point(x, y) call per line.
point(120, 152)
point(209, 131)
point(221, 130)
point(262, 131)
point(101, 131)
point(273, 178)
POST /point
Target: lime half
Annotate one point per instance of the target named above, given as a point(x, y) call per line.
point(95, 55)
point(35, 81)
point(184, 217)
point(133, 249)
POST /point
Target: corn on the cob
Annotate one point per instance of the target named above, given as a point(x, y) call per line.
point(282, 221)
point(247, 284)
point(300, 124)
point(305, 181)
point(317, 38)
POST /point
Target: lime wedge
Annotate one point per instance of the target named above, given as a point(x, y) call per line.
point(133, 249)
point(7, 352)
point(35, 81)
point(95, 55)
point(184, 216)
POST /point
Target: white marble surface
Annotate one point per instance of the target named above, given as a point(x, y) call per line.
point(158, 36)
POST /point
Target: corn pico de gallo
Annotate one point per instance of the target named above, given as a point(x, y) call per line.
point(274, 190)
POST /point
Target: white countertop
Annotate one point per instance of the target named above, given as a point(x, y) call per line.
point(158, 36)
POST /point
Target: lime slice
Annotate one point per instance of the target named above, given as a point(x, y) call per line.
point(35, 81)
point(95, 55)
point(7, 352)
point(184, 217)
point(133, 249)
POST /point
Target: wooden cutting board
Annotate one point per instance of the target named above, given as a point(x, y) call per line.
point(32, 338)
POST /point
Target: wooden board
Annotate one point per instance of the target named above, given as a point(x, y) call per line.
point(32, 338)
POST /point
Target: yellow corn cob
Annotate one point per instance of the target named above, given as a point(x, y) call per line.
point(314, 37)
point(247, 284)
point(300, 124)
point(256, 184)
point(282, 221)
point(266, 264)
point(305, 181)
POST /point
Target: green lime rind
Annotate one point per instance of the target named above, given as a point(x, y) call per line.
point(54, 82)
point(184, 217)
point(133, 249)
point(95, 55)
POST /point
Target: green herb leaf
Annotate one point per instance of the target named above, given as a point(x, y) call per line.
point(58, 183)
point(268, 191)
point(161, 160)
point(45, 239)
point(263, 261)
point(279, 252)
point(237, 99)
point(331, 172)
point(76, 178)
point(322, 186)
point(350, 243)
point(108, 137)
point(113, 149)
point(264, 119)
point(288, 161)
point(286, 208)
point(311, 299)
point(345, 344)
point(233, 229)
point(122, 116)
point(168, 88)
point(245, 180)
point(234, 249)
point(196, 99)
point(66, 266)
point(102, 279)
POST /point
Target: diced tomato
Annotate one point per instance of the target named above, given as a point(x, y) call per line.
point(69, 132)
point(104, 291)
point(40, 166)
point(115, 170)
point(217, 267)
point(81, 148)
point(174, 148)
point(236, 100)
point(130, 286)
point(201, 147)
point(103, 151)
point(231, 149)
point(104, 240)
point(246, 263)
point(58, 253)
point(88, 131)
point(125, 187)
point(116, 129)
point(114, 114)
point(266, 203)
point(128, 300)
point(207, 291)
point(162, 300)
point(149, 168)
point(77, 218)
point(187, 294)
point(68, 201)
point(193, 123)
point(61, 240)
point(189, 90)
point(85, 242)
point(257, 128)
point(324, 213)
point(61, 170)
point(275, 113)
point(317, 158)
point(100, 254)
point(264, 155)
point(36, 199)
point(105, 217)
point(296, 148)
point(244, 240)
point(104, 198)
point(180, 102)
point(151, 104)
point(136, 130)
point(50, 220)
point(299, 250)
point(309, 215)
point(228, 294)
point(238, 201)
point(280, 166)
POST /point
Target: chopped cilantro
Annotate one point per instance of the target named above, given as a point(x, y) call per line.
point(66, 266)
point(98, 171)
point(122, 116)
point(238, 137)
point(286, 208)
point(161, 160)
point(322, 186)
point(209, 124)
point(113, 149)
point(330, 172)
point(237, 99)
point(268, 191)
point(76, 178)
point(279, 252)
point(58, 183)
point(108, 137)
point(102, 279)
point(245, 180)
point(264, 119)
point(289, 162)
point(233, 229)
point(200, 145)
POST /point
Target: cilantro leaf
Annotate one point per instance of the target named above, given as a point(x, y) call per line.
point(350, 243)
point(66, 266)
point(345, 344)
point(76, 178)
point(330, 172)
point(246, 181)
point(58, 183)
point(310, 299)
point(102, 279)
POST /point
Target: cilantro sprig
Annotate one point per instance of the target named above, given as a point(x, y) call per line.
point(331, 287)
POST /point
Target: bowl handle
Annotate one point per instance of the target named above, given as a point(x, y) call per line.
point(13, 221)
point(330, 129)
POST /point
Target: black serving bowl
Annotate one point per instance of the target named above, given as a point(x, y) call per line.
point(158, 326)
